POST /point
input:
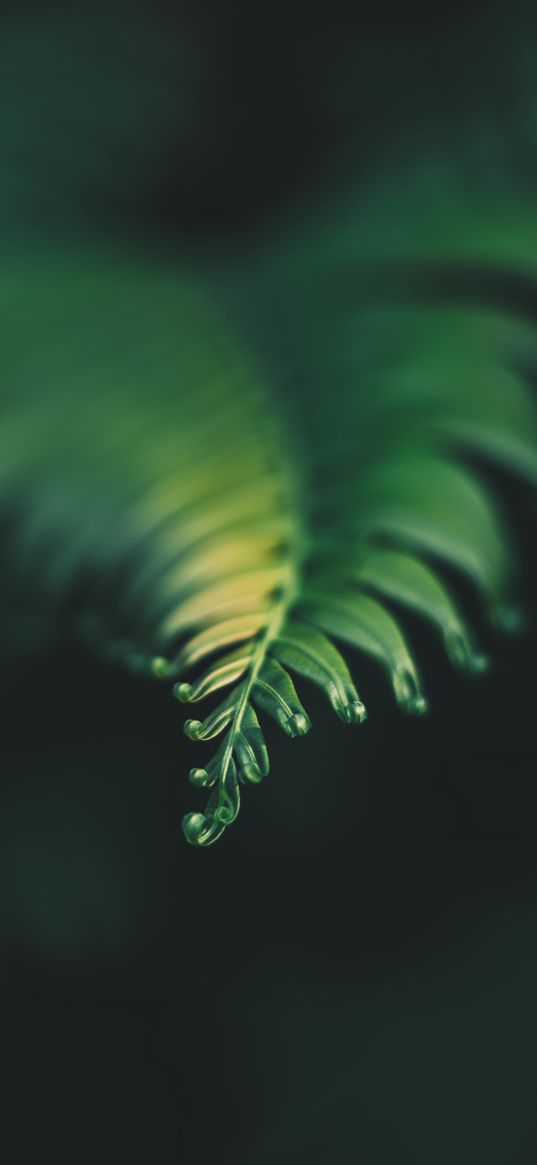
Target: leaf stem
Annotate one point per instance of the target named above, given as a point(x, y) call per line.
point(287, 595)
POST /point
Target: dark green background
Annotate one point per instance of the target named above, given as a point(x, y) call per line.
point(350, 975)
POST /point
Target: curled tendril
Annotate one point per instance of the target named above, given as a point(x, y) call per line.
point(222, 777)
point(201, 778)
point(222, 808)
point(160, 667)
point(200, 829)
point(183, 692)
point(227, 796)
point(216, 721)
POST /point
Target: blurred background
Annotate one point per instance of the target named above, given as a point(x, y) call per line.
point(350, 975)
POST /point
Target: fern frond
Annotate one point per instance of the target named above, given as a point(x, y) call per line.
point(199, 530)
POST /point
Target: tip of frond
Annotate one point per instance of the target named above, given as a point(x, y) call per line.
point(416, 706)
point(297, 725)
point(160, 667)
point(200, 778)
point(182, 692)
point(408, 692)
point(353, 713)
point(193, 729)
point(201, 830)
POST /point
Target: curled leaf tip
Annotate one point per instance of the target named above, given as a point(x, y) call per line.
point(200, 829)
point(354, 713)
point(416, 706)
point(229, 798)
point(298, 725)
point(193, 729)
point(408, 692)
point(200, 778)
point(478, 663)
point(225, 815)
point(182, 692)
point(159, 667)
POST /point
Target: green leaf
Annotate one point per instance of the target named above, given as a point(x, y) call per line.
point(408, 581)
point(364, 623)
point(438, 509)
point(275, 693)
point(251, 750)
point(218, 636)
point(306, 651)
point(225, 670)
point(241, 593)
point(216, 721)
